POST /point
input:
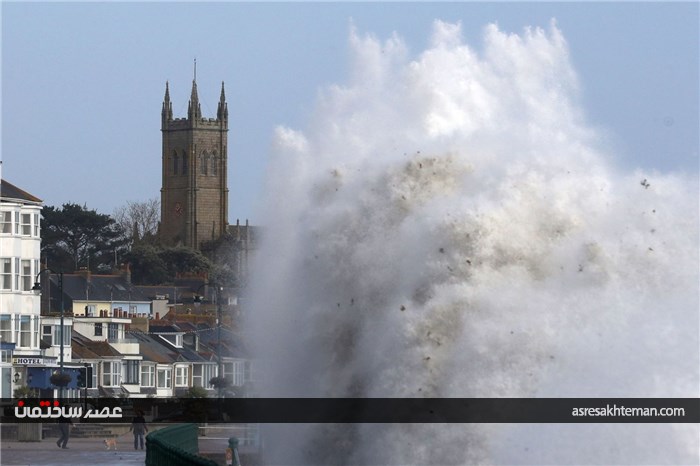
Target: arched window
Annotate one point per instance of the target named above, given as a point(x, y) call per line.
point(204, 162)
point(175, 167)
point(214, 165)
point(184, 163)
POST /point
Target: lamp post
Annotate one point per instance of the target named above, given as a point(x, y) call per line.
point(37, 289)
point(198, 299)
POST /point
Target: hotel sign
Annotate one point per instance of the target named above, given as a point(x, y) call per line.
point(19, 360)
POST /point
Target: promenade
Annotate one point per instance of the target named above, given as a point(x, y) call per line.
point(87, 451)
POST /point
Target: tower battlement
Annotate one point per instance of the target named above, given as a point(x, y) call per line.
point(194, 193)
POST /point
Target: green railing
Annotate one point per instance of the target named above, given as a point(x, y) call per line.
point(174, 446)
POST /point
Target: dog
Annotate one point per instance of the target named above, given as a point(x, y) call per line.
point(110, 443)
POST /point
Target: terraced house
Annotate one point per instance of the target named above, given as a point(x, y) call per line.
point(20, 321)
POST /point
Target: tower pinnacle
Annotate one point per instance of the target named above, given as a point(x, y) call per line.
point(167, 112)
point(194, 111)
point(222, 109)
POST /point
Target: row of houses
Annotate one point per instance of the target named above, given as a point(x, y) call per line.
point(136, 341)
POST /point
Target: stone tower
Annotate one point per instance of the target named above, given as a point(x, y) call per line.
point(194, 196)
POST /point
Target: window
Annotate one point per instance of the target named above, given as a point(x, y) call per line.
point(26, 224)
point(5, 328)
point(185, 165)
point(148, 375)
point(181, 376)
point(6, 356)
point(131, 371)
point(98, 329)
point(36, 225)
point(5, 273)
point(214, 165)
point(238, 373)
point(17, 273)
point(93, 379)
point(203, 163)
point(47, 334)
point(202, 374)
point(164, 378)
point(175, 167)
point(25, 331)
point(26, 275)
point(111, 373)
point(6, 222)
point(112, 331)
point(57, 335)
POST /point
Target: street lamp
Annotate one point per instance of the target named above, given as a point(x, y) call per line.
point(37, 289)
point(198, 299)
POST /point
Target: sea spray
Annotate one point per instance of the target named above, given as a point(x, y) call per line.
point(449, 226)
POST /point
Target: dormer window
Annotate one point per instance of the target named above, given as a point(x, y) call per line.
point(174, 339)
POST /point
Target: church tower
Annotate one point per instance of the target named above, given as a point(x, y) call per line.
point(194, 194)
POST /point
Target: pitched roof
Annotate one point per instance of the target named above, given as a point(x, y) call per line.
point(98, 288)
point(10, 191)
point(84, 348)
point(231, 344)
point(174, 294)
point(151, 350)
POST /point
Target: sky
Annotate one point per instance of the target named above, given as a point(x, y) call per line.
point(83, 83)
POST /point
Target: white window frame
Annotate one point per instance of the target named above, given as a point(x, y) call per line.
point(6, 222)
point(111, 373)
point(56, 340)
point(26, 224)
point(6, 273)
point(26, 273)
point(148, 375)
point(24, 331)
point(6, 329)
point(166, 378)
point(125, 376)
point(181, 376)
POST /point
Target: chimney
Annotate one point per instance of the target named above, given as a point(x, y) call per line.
point(126, 273)
point(85, 273)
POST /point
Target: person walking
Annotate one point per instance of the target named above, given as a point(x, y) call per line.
point(64, 424)
point(138, 427)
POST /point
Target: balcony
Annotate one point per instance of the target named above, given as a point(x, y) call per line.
point(124, 345)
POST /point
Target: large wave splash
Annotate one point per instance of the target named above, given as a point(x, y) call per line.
point(449, 225)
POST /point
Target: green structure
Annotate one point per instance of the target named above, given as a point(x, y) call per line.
point(175, 446)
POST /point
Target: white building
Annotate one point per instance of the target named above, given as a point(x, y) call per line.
point(20, 247)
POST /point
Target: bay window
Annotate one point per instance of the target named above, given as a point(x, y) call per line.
point(148, 375)
point(164, 378)
point(111, 373)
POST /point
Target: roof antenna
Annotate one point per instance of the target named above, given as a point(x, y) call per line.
point(195, 69)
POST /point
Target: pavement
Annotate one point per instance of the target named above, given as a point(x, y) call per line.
point(86, 451)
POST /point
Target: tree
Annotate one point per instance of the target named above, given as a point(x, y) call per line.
point(184, 259)
point(74, 235)
point(139, 221)
point(147, 267)
point(153, 265)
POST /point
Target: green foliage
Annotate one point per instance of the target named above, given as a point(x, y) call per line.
point(60, 379)
point(147, 266)
point(218, 382)
point(74, 236)
point(153, 265)
point(196, 392)
point(23, 392)
point(184, 259)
